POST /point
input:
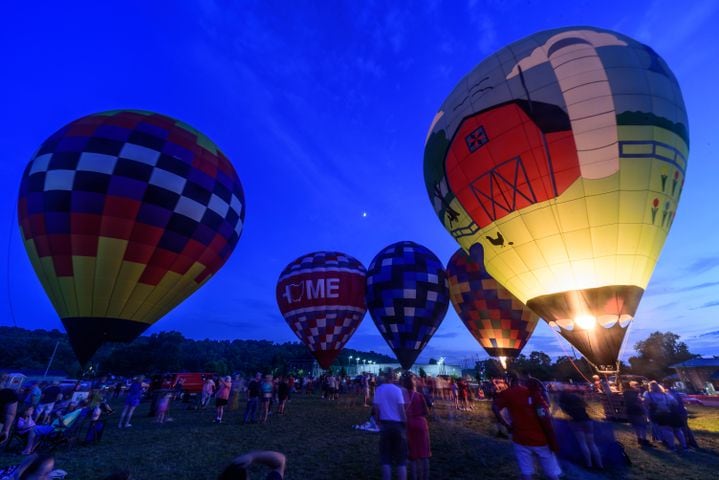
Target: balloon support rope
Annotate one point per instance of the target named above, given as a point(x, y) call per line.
point(571, 360)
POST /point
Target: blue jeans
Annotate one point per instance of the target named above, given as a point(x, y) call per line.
point(251, 409)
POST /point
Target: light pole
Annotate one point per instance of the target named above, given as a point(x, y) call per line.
point(349, 365)
point(357, 369)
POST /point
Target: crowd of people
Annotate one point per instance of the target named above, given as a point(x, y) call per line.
point(523, 408)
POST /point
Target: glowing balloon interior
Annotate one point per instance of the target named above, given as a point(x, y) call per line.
point(563, 155)
point(322, 297)
point(495, 318)
point(124, 214)
point(407, 296)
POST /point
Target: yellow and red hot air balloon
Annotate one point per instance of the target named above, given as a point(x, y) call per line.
point(563, 155)
point(496, 319)
point(124, 214)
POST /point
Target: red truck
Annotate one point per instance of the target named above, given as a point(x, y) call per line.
point(191, 381)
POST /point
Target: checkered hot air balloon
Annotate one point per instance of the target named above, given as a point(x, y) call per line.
point(495, 318)
point(407, 296)
point(124, 214)
point(322, 297)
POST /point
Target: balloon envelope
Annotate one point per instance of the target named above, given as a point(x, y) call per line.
point(123, 215)
point(322, 297)
point(563, 155)
point(407, 296)
point(495, 318)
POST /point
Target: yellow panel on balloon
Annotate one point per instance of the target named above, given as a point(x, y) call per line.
point(125, 283)
point(110, 252)
point(69, 293)
point(84, 280)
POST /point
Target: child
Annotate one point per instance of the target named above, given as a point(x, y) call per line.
point(163, 406)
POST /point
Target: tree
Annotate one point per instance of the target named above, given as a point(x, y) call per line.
point(657, 353)
point(538, 365)
point(487, 369)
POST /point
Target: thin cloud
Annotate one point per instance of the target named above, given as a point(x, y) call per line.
point(713, 303)
point(667, 290)
point(702, 265)
point(446, 335)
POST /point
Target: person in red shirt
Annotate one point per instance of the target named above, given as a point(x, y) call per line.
point(527, 426)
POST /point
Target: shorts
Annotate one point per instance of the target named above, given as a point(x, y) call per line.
point(132, 401)
point(220, 402)
point(393, 443)
point(525, 459)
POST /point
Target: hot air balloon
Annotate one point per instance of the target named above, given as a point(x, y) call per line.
point(123, 215)
point(322, 297)
point(495, 318)
point(563, 155)
point(407, 296)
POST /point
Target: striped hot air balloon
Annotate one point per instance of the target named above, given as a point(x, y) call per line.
point(322, 297)
point(124, 214)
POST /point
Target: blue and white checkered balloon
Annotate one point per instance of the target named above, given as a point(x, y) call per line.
point(407, 296)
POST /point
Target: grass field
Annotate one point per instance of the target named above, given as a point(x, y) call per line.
point(319, 442)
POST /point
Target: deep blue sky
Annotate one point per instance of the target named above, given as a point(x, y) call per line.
point(323, 108)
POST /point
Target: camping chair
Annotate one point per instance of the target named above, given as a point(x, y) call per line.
point(66, 430)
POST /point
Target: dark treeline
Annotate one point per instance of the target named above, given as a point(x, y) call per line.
point(172, 352)
point(162, 352)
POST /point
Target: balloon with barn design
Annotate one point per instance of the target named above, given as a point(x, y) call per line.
point(124, 214)
point(563, 156)
point(322, 297)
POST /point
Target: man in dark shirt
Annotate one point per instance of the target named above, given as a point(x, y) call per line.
point(528, 434)
point(253, 398)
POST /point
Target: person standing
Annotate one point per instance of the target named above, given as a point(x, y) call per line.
point(582, 427)
point(529, 436)
point(253, 398)
point(389, 413)
point(132, 400)
point(660, 406)
point(417, 430)
point(266, 391)
point(224, 385)
point(208, 388)
point(636, 413)
point(283, 393)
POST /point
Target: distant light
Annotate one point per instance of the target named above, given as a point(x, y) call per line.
point(364, 214)
point(586, 322)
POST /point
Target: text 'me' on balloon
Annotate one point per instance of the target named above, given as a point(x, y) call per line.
point(496, 319)
point(563, 155)
point(322, 297)
point(124, 214)
point(407, 297)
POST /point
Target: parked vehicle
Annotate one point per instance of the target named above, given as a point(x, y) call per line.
point(191, 381)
